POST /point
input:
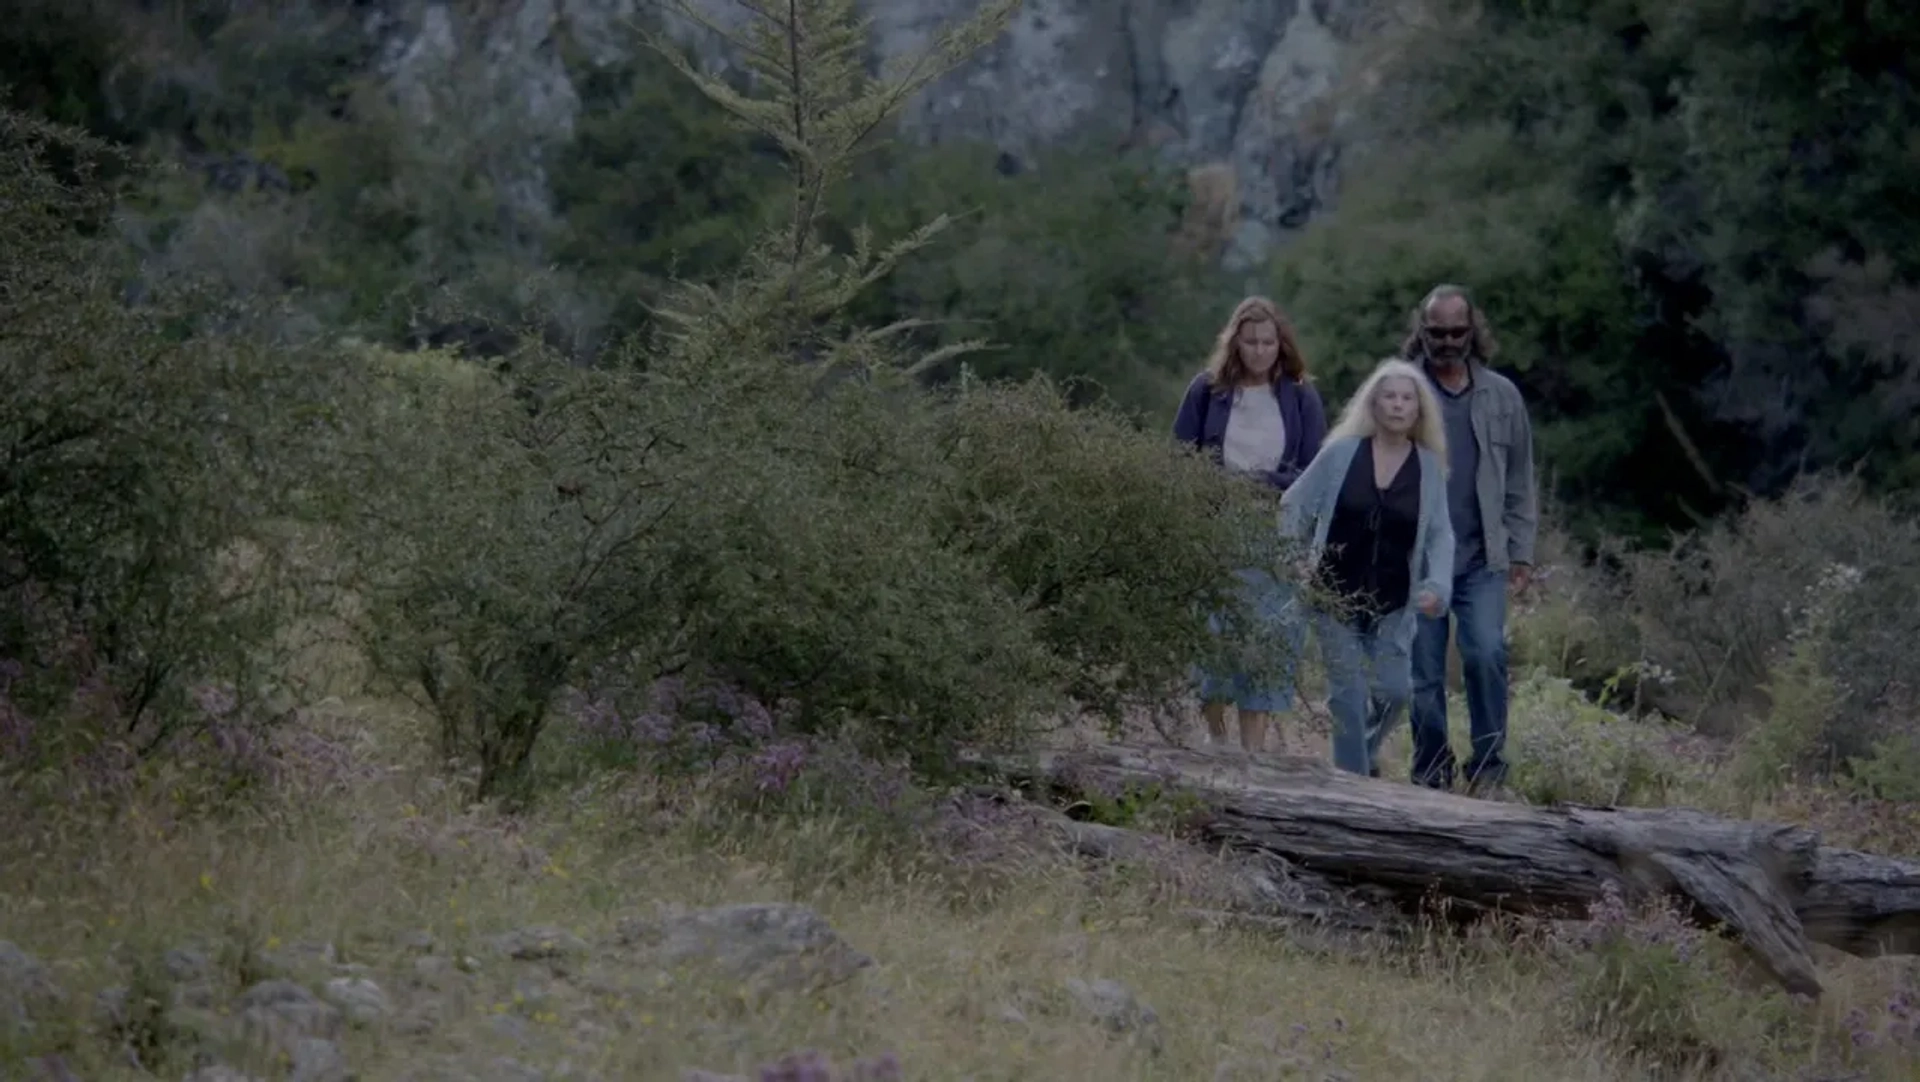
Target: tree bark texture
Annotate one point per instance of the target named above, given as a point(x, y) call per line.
point(1774, 886)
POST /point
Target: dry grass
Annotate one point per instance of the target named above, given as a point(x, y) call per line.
point(969, 977)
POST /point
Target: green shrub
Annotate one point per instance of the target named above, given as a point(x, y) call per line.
point(1071, 266)
point(1726, 611)
point(657, 183)
point(56, 55)
point(495, 541)
point(1570, 622)
point(1113, 540)
point(1568, 748)
point(762, 500)
point(1543, 265)
point(1658, 988)
point(146, 462)
point(1890, 770)
point(949, 568)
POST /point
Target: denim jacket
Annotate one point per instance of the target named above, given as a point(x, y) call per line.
point(1504, 483)
point(1306, 512)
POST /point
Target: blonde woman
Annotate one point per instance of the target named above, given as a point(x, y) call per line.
point(1372, 509)
point(1254, 411)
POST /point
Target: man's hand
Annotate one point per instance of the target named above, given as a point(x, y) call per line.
point(1428, 603)
point(1519, 577)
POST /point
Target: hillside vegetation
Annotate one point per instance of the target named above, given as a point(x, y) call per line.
point(1686, 220)
point(408, 713)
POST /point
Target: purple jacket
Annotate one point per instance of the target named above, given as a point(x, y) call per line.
point(1202, 422)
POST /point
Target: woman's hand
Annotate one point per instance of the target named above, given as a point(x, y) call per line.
point(1428, 603)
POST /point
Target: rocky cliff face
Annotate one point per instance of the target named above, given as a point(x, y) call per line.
point(1239, 91)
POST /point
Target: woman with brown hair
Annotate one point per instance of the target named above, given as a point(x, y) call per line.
point(1254, 411)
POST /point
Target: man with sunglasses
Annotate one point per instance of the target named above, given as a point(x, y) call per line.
point(1492, 503)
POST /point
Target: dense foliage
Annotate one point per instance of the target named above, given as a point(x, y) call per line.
point(147, 459)
point(532, 441)
point(758, 496)
point(1692, 224)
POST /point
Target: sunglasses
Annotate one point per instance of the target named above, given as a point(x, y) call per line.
point(1447, 334)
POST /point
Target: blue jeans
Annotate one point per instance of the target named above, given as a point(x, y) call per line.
point(1479, 615)
point(1370, 681)
point(1270, 602)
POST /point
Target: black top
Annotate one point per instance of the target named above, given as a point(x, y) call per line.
point(1368, 558)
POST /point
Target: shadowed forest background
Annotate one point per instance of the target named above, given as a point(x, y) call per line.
point(672, 465)
point(1689, 222)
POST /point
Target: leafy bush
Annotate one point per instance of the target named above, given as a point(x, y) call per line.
point(1112, 540)
point(56, 55)
point(1647, 980)
point(1726, 612)
point(1568, 748)
point(1679, 217)
point(147, 461)
point(657, 183)
point(951, 567)
point(1543, 267)
point(763, 501)
point(1890, 770)
point(1570, 622)
point(1071, 264)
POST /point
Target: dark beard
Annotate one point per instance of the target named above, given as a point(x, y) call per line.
point(1447, 354)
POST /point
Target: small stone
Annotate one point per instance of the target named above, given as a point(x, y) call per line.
point(363, 1001)
point(421, 941)
point(280, 1013)
point(778, 944)
point(511, 1026)
point(110, 1009)
point(1114, 1006)
point(318, 1060)
point(299, 958)
point(28, 993)
point(187, 965)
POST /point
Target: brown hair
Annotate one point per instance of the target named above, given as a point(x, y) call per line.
point(1224, 368)
point(1484, 347)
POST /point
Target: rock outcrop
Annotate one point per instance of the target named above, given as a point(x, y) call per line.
point(1243, 89)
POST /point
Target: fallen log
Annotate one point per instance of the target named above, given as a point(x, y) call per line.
point(1257, 886)
point(1774, 886)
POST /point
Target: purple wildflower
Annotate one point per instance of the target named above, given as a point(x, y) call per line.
point(802, 1067)
point(668, 694)
point(754, 722)
point(216, 700)
point(653, 728)
point(777, 766)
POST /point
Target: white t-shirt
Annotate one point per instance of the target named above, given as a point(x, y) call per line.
point(1256, 436)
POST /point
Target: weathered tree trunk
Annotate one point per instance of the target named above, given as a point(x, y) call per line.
point(1774, 886)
